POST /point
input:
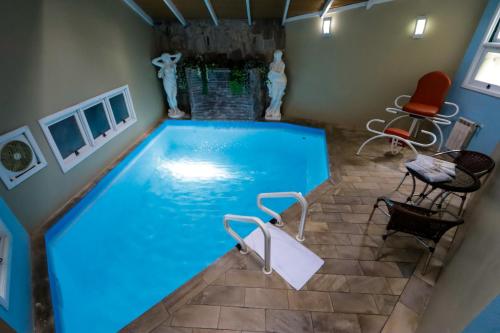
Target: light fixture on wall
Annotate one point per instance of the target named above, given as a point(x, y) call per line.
point(420, 25)
point(326, 26)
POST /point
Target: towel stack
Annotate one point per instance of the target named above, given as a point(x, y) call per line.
point(432, 169)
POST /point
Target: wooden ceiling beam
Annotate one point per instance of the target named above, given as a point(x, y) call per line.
point(285, 12)
point(249, 13)
point(175, 11)
point(326, 8)
point(212, 12)
point(370, 3)
point(139, 11)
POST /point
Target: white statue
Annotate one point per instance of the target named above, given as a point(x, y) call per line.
point(168, 72)
point(276, 86)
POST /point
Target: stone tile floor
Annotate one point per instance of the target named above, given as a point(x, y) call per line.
point(352, 293)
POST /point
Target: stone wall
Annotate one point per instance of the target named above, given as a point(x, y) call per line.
point(218, 101)
point(231, 38)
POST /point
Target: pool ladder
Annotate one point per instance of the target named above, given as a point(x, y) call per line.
point(279, 222)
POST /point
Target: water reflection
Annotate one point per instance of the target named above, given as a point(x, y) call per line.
point(189, 170)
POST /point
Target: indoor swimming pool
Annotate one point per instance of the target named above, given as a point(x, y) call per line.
point(155, 221)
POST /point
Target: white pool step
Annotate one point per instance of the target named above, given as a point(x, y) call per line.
point(289, 258)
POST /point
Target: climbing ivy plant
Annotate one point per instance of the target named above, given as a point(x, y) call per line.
point(239, 77)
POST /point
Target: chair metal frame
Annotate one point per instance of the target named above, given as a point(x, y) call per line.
point(397, 141)
point(423, 215)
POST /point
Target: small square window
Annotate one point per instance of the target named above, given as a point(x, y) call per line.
point(68, 136)
point(495, 38)
point(119, 108)
point(489, 69)
point(484, 72)
point(97, 119)
point(78, 131)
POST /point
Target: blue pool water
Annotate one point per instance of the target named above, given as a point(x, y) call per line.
point(155, 221)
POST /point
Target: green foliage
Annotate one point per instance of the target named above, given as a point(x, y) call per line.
point(238, 80)
point(239, 71)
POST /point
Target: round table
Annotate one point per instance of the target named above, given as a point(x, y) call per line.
point(462, 184)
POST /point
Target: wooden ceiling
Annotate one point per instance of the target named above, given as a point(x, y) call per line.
point(235, 9)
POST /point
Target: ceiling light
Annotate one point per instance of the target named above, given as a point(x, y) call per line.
point(326, 27)
point(420, 25)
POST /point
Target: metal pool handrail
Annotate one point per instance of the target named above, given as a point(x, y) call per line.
point(244, 248)
point(279, 221)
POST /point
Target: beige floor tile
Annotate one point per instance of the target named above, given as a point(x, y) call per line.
point(221, 295)
point(324, 251)
point(401, 255)
point(385, 303)
point(366, 240)
point(355, 252)
point(148, 321)
point(327, 238)
point(165, 328)
point(327, 282)
point(209, 330)
point(348, 200)
point(346, 228)
point(266, 298)
point(341, 267)
point(397, 285)
point(316, 226)
point(309, 301)
point(387, 269)
point(275, 281)
point(354, 303)
point(371, 323)
point(245, 278)
point(362, 209)
point(324, 217)
point(355, 217)
point(201, 316)
point(416, 295)
point(242, 319)
point(184, 294)
point(402, 320)
point(286, 321)
point(335, 208)
point(335, 322)
point(369, 284)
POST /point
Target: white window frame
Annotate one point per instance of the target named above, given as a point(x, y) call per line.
point(100, 140)
point(490, 42)
point(5, 266)
point(91, 144)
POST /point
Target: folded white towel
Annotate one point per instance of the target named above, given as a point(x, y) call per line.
point(432, 169)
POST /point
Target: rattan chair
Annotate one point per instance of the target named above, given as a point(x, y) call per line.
point(426, 225)
point(478, 164)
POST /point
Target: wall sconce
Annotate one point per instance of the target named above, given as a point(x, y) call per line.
point(326, 26)
point(420, 25)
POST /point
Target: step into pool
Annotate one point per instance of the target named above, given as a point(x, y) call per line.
point(155, 221)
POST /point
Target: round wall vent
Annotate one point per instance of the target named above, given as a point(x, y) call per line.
point(16, 156)
point(20, 157)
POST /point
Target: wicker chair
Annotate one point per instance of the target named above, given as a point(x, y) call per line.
point(427, 226)
point(477, 163)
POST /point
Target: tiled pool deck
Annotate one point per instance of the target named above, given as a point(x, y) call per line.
point(352, 293)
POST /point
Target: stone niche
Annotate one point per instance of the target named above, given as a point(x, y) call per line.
point(214, 98)
point(234, 39)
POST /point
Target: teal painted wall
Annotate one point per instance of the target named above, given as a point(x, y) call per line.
point(19, 313)
point(481, 108)
point(487, 321)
